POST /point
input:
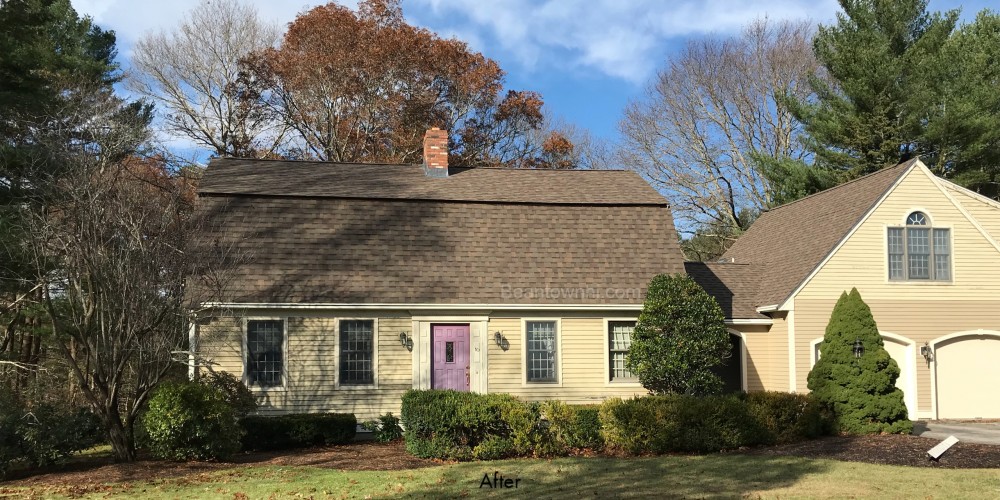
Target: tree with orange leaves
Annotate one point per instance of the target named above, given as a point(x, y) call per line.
point(364, 86)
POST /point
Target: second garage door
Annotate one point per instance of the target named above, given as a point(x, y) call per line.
point(968, 374)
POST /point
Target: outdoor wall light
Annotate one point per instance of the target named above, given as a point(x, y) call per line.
point(498, 338)
point(926, 352)
point(406, 340)
point(859, 348)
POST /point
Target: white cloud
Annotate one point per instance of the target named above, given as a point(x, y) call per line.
point(619, 38)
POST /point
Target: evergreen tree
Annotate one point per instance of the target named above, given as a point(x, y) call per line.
point(861, 391)
point(877, 56)
point(680, 337)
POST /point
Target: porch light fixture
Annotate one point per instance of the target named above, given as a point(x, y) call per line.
point(406, 341)
point(498, 338)
point(859, 348)
point(926, 352)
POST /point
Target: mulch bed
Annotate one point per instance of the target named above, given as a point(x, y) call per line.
point(88, 474)
point(891, 449)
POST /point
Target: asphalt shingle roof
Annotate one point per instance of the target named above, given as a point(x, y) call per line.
point(787, 243)
point(335, 233)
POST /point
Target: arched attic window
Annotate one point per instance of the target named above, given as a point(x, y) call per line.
point(918, 251)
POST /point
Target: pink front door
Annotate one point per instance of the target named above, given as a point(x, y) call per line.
point(450, 357)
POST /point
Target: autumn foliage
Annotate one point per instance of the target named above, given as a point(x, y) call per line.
point(364, 86)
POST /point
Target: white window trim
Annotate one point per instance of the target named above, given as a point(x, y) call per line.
point(813, 358)
point(608, 382)
point(931, 227)
point(245, 351)
point(524, 354)
point(375, 366)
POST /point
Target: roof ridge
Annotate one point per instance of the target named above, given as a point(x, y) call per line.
point(903, 165)
point(328, 162)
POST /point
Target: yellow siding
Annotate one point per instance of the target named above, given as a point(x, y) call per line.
point(917, 311)
point(767, 355)
point(583, 372)
point(861, 262)
point(311, 369)
point(986, 213)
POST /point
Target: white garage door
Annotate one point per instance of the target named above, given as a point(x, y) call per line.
point(968, 373)
point(904, 357)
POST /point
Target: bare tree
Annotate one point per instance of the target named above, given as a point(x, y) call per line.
point(710, 112)
point(113, 239)
point(193, 73)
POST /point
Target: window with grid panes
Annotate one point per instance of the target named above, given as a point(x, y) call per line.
point(357, 352)
point(541, 351)
point(265, 352)
point(619, 340)
point(919, 252)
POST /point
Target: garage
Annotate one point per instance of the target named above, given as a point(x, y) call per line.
point(967, 371)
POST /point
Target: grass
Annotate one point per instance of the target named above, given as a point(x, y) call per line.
point(710, 476)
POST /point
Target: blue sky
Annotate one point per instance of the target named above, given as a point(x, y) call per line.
point(588, 58)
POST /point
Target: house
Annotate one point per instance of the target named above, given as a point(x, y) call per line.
point(924, 254)
point(362, 281)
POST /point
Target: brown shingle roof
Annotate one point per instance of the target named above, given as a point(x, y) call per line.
point(372, 181)
point(790, 241)
point(734, 286)
point(335, 246)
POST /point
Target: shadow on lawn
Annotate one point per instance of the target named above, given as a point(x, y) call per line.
point(669, 476)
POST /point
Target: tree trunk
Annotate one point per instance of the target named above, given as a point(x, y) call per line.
point(121, 437)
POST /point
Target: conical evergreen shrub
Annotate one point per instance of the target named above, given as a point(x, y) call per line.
point(862, 391)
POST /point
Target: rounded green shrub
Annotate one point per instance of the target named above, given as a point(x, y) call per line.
point(680, 338)
point(237, 394)
point(191, 421)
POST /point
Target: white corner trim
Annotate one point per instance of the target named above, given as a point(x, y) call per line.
point(792, 376)
point(192, 347)
point(844, 240)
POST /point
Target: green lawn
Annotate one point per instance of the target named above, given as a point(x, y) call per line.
point(708, 476)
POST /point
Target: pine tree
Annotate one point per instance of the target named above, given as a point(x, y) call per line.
point(862, 391)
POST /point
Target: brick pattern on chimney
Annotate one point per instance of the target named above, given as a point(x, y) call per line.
point(436, 150)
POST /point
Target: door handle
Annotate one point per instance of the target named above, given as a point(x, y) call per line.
point(466, 375)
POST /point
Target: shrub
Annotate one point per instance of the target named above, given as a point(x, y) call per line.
point(494, 448)
point(453, 425)
point(43, 434)
point(574, 426)
point(298, 430)
point(680, 338)
point(188, 420)
point(659, 424)
point(861, 391)
point(787, 417)
point(237, 394)
point(385, 429)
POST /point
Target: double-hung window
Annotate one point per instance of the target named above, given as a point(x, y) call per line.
point(919, 252)
point(619, 340)
point(357, 352)
point(265, 353)
point(541, 347)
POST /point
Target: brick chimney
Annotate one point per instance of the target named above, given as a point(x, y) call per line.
point(436, 153)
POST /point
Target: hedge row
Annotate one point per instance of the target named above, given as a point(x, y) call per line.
point(463, 426)
point(297, 430)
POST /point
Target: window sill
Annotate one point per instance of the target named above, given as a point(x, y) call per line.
point(356, 387)
point(268, 389)
point(921, 282)
point(541, 384)
point(623, 383)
